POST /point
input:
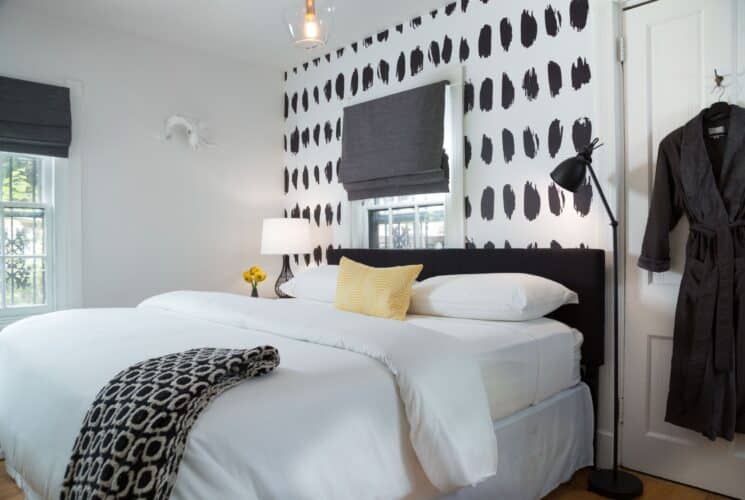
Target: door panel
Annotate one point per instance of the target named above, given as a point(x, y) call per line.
point(672, 49)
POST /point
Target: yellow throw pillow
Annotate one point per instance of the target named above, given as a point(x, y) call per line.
point(375, 291)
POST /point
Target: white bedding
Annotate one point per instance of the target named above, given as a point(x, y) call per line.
point(522, 363)
point(329, 423)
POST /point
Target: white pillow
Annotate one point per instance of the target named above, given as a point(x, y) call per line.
point(318, 283)
point(494, 296)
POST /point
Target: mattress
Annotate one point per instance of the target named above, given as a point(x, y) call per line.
point(522, 363)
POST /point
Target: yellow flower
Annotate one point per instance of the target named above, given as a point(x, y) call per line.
point(254, 275)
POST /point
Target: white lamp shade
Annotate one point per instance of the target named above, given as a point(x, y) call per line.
point(285, 237)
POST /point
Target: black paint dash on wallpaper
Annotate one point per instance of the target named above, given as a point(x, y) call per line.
point(528, 29)
point(578, 10)
point(338, 129)
point(505, 33)
point(449, 8)
point(284, 141)
point(368, 76)
point(555, 80)
point(383, 36)
point(401, 67)
point(327, 57)
point(338, 165)
point(487, 149)
point(485, 41)
point(297, 261)
point(530, 84)
point(400, 28)
point(339, 52)
point(328, 249)
point(287, 106)
point(317, 174)
point(305, 66)
point(354, 47)
point(338, 213)
point(508, 91)
point(555, 245)
point(467, 206)
point(507, 244)
point(487, 203)
point(287, 181)
point(294, 178)
point(531, 143)
point(447, 49)
point(317, 134)
point(328, 132)
point(552, 18)
point(416, 22)
point(531, 201)
point(306, 177)
point(467, 151)
point(368, 41)
point(340, 86)
point(295, 141)
point(470, 245)
point(317, 215)
point(583, 198)
point(306, 257)
point(556, 199)
point(416, 61)
point(294, 102)
point(328, 171)
point(508, 145)
point(316, 95)
point(329, 212)
point(306, 137)
point(306, 213)
point(581, 133)
point(508, 200)
point(295, 213)
point(316, 62)
point(489, 245)
point(486, 94)
point(354, 81)
point(383, 71)
point(305, 102)
point(433, 13)
point(327, 90)
point(580, 73)
point(318, 255)
point(464, 5)
point(555, 137)
point(464, 51)
point(468, 97)
point(434, 53)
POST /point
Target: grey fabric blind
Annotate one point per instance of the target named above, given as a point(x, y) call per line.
point(34, 118)
point(393, 146)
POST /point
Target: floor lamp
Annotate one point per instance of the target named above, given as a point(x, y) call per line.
point(571, 174)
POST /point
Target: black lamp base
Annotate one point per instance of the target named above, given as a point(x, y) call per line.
point(284, 276)
point(619, 485)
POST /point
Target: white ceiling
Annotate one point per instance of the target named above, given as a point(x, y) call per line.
point(249, 30)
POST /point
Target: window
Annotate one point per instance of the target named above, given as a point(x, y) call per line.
point(400, 222)
point(26, 207)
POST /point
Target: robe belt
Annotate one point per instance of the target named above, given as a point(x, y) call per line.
point(724, 332)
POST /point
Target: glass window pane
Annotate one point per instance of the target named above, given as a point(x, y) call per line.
point(21, 177)
point(402, 228)
point(378, 226)
point(24, 231)
point(432, 226)
point(24, 281)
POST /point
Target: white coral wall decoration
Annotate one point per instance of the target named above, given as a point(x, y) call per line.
point(192, 128)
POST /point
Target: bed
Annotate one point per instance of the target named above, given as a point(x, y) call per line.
point(330, 422)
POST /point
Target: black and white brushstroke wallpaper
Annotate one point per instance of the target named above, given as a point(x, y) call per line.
point(528, 103)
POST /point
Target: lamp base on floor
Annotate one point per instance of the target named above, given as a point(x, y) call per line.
point(618, 485)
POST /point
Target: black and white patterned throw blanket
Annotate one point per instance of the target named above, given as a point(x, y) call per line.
point(134, 435)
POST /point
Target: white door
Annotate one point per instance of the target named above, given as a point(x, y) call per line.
point(672, 50)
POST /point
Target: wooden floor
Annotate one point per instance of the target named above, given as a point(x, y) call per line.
point(654, 489)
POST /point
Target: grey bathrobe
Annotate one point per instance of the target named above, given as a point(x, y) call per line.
point(704, 178)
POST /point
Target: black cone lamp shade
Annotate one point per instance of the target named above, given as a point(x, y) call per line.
point(571, 174)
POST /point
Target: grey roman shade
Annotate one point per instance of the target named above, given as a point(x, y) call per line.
point(393, 146)
point(34, 118)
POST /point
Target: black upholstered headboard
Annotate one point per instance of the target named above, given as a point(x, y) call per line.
point(580, 270)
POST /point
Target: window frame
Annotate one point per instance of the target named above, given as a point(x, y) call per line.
point(9, 314)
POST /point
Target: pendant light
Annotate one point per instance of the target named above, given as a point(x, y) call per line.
point(309, 22)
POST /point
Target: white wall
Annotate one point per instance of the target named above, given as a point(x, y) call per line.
point(157, 216)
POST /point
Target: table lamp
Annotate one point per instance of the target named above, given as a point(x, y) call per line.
point(285, 237)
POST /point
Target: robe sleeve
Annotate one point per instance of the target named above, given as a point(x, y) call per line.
point(665, 210)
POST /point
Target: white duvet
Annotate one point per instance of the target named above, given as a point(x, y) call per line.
point(360, 407)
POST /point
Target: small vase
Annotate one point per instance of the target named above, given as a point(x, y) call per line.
point(254, 292)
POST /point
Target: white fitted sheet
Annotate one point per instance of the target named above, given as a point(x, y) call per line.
point(522, 363)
